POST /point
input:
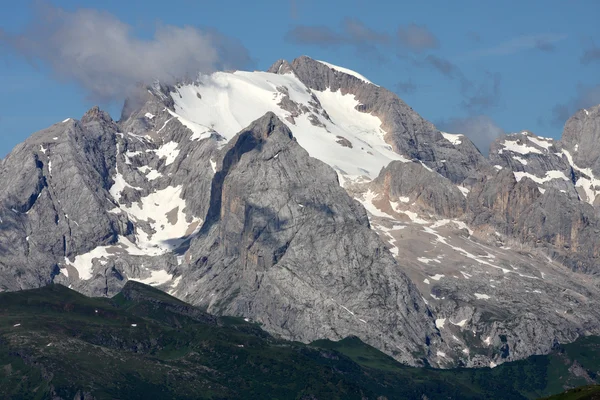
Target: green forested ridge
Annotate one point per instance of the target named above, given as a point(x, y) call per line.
point(144, 344)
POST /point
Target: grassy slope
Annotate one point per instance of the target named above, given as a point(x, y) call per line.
point(581, 393)
point(68, 343)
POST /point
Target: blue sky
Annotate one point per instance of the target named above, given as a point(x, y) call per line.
point(472, 67)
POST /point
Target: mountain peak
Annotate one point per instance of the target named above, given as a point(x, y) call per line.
point(96, 114)
point(281, 67)
point(266, 125)
point(581, 138)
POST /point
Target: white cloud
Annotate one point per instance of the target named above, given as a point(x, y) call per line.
point(542, 42)
point(99, 52)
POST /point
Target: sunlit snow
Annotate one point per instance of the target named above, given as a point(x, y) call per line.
point(452, 138)
point(229, 102)
point(156, 278)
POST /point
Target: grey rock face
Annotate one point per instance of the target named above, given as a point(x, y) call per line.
point(285, 245)
point(418, 185)
point(499, 285)
point(56, 199)
point(562, 220)
point(69, 189)
point(535, 157)
point(564, 227)
point(581, 137)
point(501, 200)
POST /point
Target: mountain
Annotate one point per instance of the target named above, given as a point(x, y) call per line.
point(321, 206)
point(142, 343)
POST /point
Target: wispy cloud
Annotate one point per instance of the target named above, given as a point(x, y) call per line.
point(444, 66)
point(367, 41)
point(481, 129)
point(315, 35)
point(417, 38)
point(478, 97)
point(544, 42)
point(406, 87)
point(353, 32)
point(99, 52)
point(484, 96)
point(358, 32)
point(591, 54)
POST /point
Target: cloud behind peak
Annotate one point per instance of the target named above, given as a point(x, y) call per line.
point(101, 53)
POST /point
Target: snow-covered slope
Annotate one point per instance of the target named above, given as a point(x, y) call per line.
point(327, 124)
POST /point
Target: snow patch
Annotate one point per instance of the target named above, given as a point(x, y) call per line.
point(174, 286)
point(426, 260)
point(150, 174)
point(163, 211)
point(452, 138)
point(550, 175)
point(165, 124)
point(367, 202)
point(83, 263)
point(440, 322)
point(542, 142)
point(482, 296)
point(119, 182)
point(459, 224)
point(156, 278)
point(168, 150)
point(589, 185)
point(516, 147)
point(520, 159)
point(153, 174)
point(460, 323)
point(414, 217)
